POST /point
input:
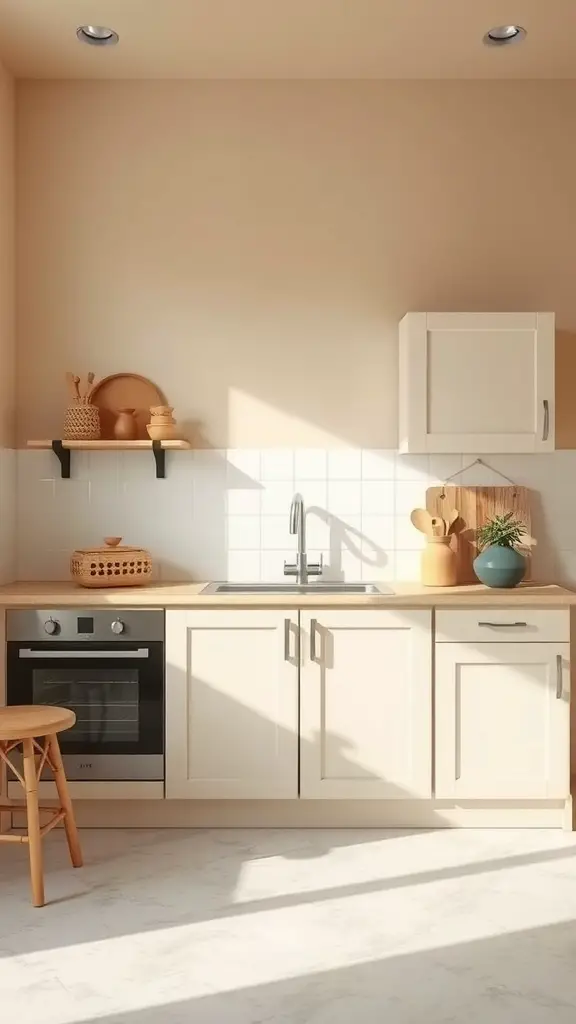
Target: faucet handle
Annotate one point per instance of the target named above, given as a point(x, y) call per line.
point(316, 568)
point(290, 569)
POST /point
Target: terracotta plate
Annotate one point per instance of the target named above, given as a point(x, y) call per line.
point(125, 391)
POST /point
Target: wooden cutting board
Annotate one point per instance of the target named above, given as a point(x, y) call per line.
point(476, 505)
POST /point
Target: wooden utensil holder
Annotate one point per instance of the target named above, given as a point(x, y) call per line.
point(439, 565)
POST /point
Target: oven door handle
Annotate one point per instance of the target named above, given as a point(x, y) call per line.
point(27, 652)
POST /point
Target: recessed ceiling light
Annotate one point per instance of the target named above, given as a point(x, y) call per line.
point(503, 35)
point(97, 35)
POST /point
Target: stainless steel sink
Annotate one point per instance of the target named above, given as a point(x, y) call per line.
point(295, 588)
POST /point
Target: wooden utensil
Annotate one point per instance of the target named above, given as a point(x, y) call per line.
point(76, 388)
point(475, 505)
point(452, 519)
point(422, 520)
point(438, 526)
point(70, 382)
point(89, 389)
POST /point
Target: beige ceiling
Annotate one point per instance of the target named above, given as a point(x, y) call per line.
point(288, 38)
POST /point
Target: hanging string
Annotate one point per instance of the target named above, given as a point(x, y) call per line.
point(477, 462)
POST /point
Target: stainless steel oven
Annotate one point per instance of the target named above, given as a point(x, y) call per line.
point(108, 667)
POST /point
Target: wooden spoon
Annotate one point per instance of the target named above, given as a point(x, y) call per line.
point(422, 520)
point(70, 382)
point(89, 389)
point(454, 516)
point(438, 526)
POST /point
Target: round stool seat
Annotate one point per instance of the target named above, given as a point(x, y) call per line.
point(25, 721)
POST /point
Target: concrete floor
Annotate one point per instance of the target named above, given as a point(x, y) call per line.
point(297, 927)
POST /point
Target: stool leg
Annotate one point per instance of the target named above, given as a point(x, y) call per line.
point(65, 802)
point(34, 840)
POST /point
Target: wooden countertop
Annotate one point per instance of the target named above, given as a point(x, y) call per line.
point(188, 595)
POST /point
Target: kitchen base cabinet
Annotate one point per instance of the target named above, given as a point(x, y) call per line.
point(231, 704)
point(502, 721)
point(365, 704)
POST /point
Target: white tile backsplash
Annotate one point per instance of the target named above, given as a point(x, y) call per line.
point(310, 464)
point(345, 497)
point(244, 533)
point(378, 464)
point(224, 514)
point(275, 534)
point(277, 464)
point(377, 497)
point(344, 464)
point(276, 497)
point(244, 566)
point(408, 495)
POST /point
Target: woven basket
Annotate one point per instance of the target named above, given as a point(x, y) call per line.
point(81, 423)
point(111, 566)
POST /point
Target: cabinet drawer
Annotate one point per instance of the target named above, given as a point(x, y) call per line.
point(502, 625)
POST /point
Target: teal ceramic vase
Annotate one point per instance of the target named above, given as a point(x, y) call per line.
point(498, 566)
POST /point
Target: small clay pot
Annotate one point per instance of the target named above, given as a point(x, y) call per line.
point(162, 431)
point(162, 426)
point(125, 427)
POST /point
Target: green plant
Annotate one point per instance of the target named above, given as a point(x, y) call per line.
point(504, 530)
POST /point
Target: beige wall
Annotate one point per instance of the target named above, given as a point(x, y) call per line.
point(7, 380)
point(252, 246)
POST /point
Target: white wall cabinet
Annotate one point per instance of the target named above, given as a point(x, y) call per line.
point(231, 704)
point(476, 382)
point(365, 704)
point(502, 721)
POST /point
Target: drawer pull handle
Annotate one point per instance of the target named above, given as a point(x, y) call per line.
point(504, 625)
point(559, 679)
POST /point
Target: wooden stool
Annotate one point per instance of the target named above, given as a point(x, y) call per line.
point(20, 726)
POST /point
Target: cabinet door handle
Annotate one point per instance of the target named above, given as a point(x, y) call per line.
point(546, 427)
point(503, 625)
point(313, 624)
point(287, 631)
point(559, 678)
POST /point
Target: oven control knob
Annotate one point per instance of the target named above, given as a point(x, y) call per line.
point(51, 627)
point(117, 626)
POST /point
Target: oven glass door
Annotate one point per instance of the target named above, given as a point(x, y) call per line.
point(117, 694)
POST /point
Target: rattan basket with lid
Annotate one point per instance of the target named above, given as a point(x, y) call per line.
point(111, 566)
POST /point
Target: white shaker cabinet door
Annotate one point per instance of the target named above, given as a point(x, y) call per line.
point(502, 721)
point(365, 704)
point(231, 704)
point(477, 382)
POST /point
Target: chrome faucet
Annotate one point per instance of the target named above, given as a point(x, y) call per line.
point(300, 568)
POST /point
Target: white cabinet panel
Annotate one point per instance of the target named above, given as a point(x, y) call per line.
point(477, 382)
point(231, 704)
point(502, 721)
point(365, 704)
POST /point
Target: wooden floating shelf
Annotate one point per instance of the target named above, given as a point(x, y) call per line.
point(62, 450)
point(105, 446)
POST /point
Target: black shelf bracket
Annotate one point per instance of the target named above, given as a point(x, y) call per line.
point(63, 456)
point(160, 458)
